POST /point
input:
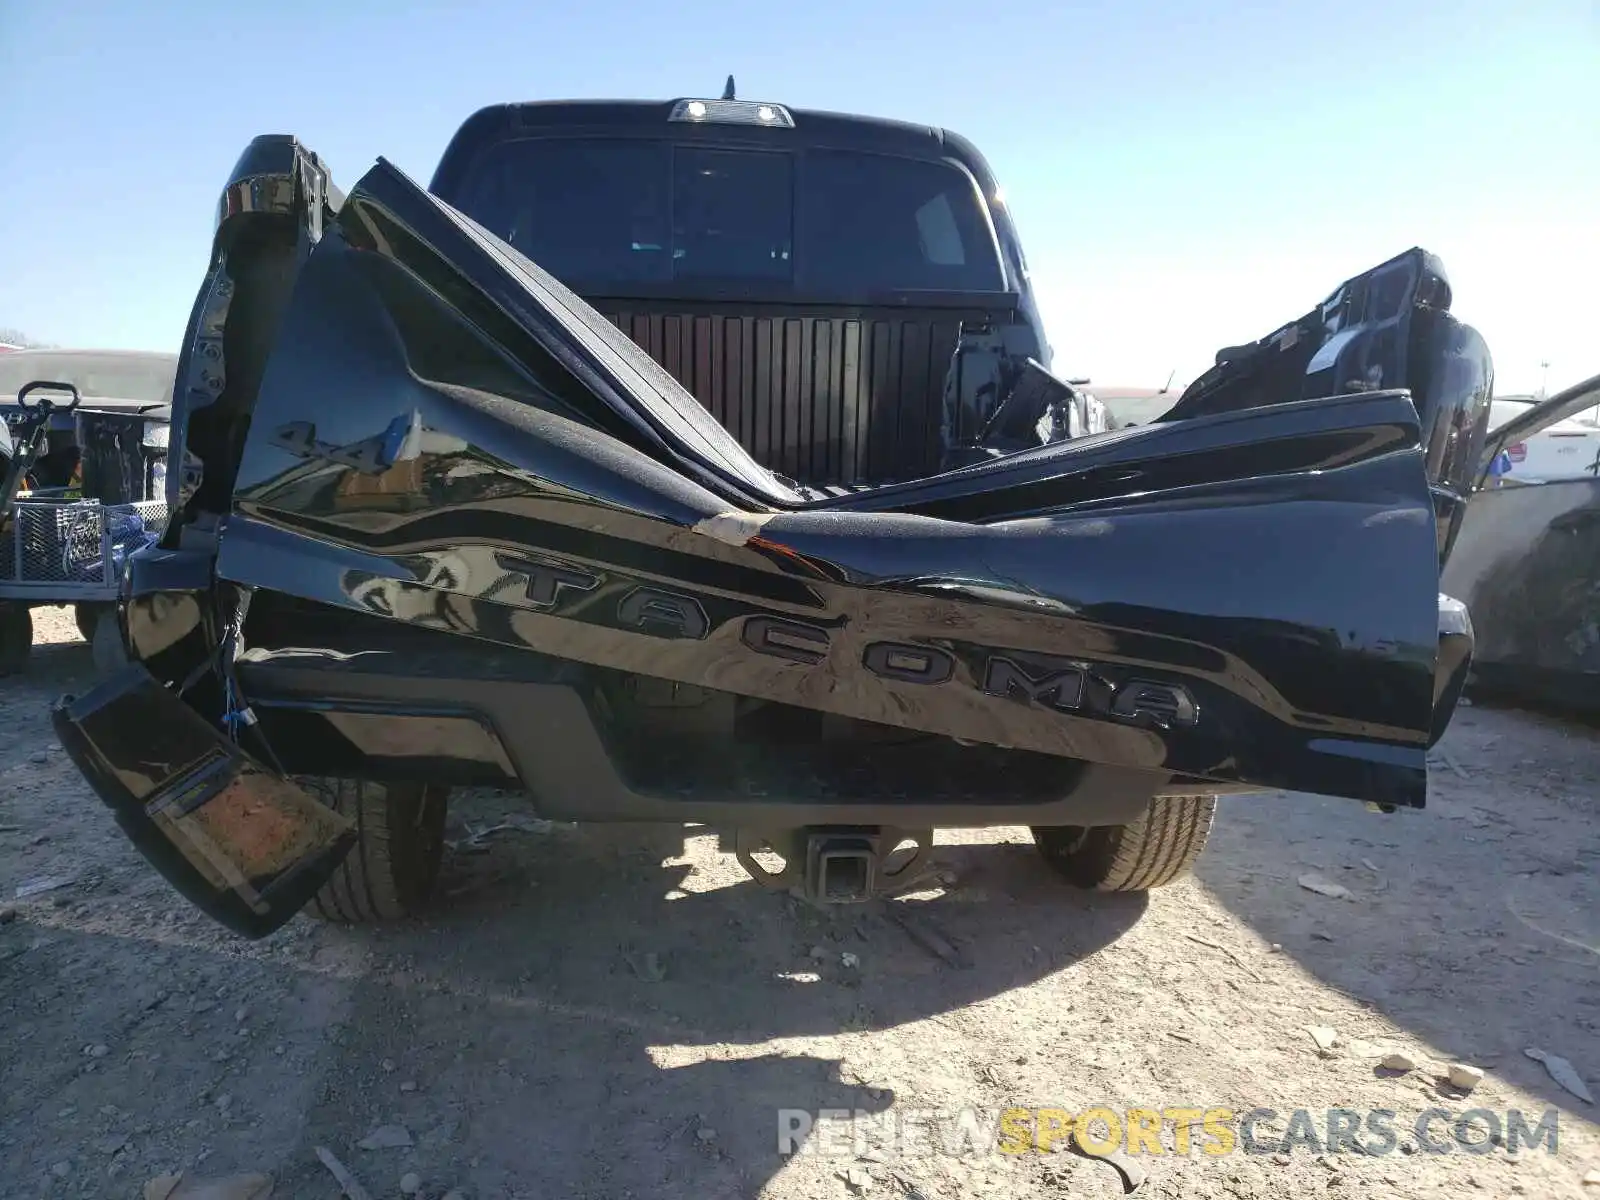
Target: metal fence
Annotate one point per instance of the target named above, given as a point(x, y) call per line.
point(67, 550)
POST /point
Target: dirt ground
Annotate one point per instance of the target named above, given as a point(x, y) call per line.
point(619, 1013)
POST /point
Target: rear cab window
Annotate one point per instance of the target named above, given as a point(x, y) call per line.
point(604, 213)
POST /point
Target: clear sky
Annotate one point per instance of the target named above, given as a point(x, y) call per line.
point(1184, 175)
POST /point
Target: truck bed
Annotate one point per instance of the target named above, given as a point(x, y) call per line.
point(834, 396)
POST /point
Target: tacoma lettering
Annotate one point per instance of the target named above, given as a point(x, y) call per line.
point(663, 614)
point(793, 640)
point(912, 664)
point(1061, 689)
point(546, 581)
point(1164, 703)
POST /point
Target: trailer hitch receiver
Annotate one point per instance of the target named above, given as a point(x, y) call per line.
point(834, 864)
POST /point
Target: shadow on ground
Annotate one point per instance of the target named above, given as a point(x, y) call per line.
point(579, 1020)
point(586, 1061)
point(1474, 924)
point(587, 1014)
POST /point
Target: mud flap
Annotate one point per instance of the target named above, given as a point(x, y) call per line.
point(242, 844)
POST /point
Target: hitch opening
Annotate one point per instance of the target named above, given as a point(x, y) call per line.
point(828, 864)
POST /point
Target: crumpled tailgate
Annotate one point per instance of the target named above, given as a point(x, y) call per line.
point(1246, 597)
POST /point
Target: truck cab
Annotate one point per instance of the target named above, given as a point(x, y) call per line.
point(847, 295)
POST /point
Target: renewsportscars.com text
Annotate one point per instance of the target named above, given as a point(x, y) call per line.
point(1176, 1130)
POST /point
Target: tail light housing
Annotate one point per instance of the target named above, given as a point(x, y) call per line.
point(1518, 451)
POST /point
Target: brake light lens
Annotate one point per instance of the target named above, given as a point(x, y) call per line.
point(1518, 451)
point(732, 112)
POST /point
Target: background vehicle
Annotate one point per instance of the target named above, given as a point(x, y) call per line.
point(90, 491)
point(1568, 449)
point(437, 522)
point(1527, 564)
point(1132, 405)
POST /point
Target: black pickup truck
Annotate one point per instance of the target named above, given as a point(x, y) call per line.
point(700, 462)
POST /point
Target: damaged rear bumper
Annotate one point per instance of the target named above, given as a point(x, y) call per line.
point(250, 849)
point(245, 846)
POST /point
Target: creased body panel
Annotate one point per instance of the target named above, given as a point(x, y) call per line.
point(1249, 598)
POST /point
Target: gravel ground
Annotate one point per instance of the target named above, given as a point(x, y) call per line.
point(618, 1012)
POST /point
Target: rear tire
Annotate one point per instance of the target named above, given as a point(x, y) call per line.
point(1161, 846)
point(105, 643)
point(390, 872)
point(16, 638)
point(86, 617)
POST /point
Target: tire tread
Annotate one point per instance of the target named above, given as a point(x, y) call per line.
point(1159, 847)
point(368, 886)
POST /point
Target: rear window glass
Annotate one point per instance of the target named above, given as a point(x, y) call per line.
point(612, 211)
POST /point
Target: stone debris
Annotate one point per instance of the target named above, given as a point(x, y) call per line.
point(648, 966)
point(251, 1186)
point(1324, 886)
point(347, 1181)
point(410, 1183)
point(1398, 1061)
point(475, 841)
point(41, 884)
point(1133, 1174)
point(1464, 1076)
point(857, 1179)
point(1220, 948)
point(921, 931)
point(1563, 1072)
point(386, 1137)
point(1325, 1036)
